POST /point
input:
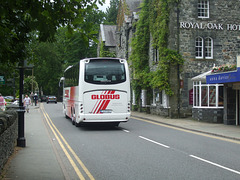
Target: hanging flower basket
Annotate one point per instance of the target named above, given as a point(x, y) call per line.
point(224, 68)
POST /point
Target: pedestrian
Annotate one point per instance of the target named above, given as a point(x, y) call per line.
point(27, 102)
point(2, 103)
point(35, 97)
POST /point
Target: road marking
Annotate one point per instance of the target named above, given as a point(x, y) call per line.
point(126, 131)
point(52, 127)
point(189, 131)
point(154, 142)
point(215, 164)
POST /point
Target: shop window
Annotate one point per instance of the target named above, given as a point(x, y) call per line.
point(203, 8)
point(209, 96)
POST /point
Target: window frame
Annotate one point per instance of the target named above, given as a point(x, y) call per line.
point(161, 98)
point(208, 48)
point(203, 9)
point(198, 95)
point(203, 48)
point(199, 49)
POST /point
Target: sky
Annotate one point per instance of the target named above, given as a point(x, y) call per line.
point(105, 6)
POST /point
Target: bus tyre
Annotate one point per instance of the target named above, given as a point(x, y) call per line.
point(77, 124)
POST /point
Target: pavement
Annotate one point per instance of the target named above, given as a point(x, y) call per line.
point(39, 160)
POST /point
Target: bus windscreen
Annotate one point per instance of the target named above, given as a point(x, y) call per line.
point(105, 72)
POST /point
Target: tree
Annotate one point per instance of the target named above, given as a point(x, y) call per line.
point(19, 18)
point(112, 12)
point(48, 68)
point(30, 84)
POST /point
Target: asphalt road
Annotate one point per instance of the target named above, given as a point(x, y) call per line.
point(138, 150)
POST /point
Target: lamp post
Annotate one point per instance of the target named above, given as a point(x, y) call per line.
point(21, 141)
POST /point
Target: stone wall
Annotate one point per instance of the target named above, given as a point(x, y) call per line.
point(208, 115)
point(8, 135)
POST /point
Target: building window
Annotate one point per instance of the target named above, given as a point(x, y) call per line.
point(204, 48)
point(155, 55)
point(203, 8)
point(208, 48)
point(161, 98)
point(199, 47)
point(207, 96)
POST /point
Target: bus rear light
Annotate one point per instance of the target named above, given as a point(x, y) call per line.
point(129, 107)
point(81, 108)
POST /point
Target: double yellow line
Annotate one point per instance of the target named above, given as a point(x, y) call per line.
point(66, 147)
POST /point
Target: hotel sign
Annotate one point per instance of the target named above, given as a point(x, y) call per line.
point(224, 77)
point(209, 26)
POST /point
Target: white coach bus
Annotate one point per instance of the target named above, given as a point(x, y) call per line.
point(97, 90)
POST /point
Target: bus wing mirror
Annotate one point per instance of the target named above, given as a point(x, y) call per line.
point(61, 79)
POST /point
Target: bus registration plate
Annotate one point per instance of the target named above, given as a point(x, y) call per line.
point(106, 111)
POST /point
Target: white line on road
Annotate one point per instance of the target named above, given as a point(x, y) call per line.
point(215, 164)
point(126, 130)
point(154, 142)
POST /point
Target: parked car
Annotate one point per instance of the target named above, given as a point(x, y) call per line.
point(9, 98)
point(43, 98)
point(51, 99)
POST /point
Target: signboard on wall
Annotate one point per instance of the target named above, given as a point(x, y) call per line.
point(2, 80)
point(223, 77)
point(190, 96)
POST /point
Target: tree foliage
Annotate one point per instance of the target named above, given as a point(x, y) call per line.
point(27, 22)
point(68, 48)
point(21, 17)
point(112, 12)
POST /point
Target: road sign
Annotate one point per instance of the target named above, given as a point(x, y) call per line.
point(2, 80)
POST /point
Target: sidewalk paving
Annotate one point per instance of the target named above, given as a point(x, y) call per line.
point(38, 159)
point(227, 131)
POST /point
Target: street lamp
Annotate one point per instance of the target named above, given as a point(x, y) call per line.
point(21, 141)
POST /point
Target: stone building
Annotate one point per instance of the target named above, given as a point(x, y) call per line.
point(127, 16)
point(206, 33)
point(208, 37)
point(108, 38)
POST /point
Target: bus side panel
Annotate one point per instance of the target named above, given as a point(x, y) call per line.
point(106, 105)
point(69, 101)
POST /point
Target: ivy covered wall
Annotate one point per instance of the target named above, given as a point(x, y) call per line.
point(154, 21)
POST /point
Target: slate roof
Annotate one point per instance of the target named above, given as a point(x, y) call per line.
point(133, 5)
point(108, 34)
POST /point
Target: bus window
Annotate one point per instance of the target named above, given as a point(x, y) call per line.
point(105, 72)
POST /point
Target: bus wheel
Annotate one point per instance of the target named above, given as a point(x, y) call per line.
point(116, 124)
point(77, 124)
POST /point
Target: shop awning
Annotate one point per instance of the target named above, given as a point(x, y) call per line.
point(201, 77)
point(226, 77)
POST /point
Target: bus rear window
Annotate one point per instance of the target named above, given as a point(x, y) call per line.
point(105, 72)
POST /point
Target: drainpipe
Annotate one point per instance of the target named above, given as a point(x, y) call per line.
point(178, 49)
